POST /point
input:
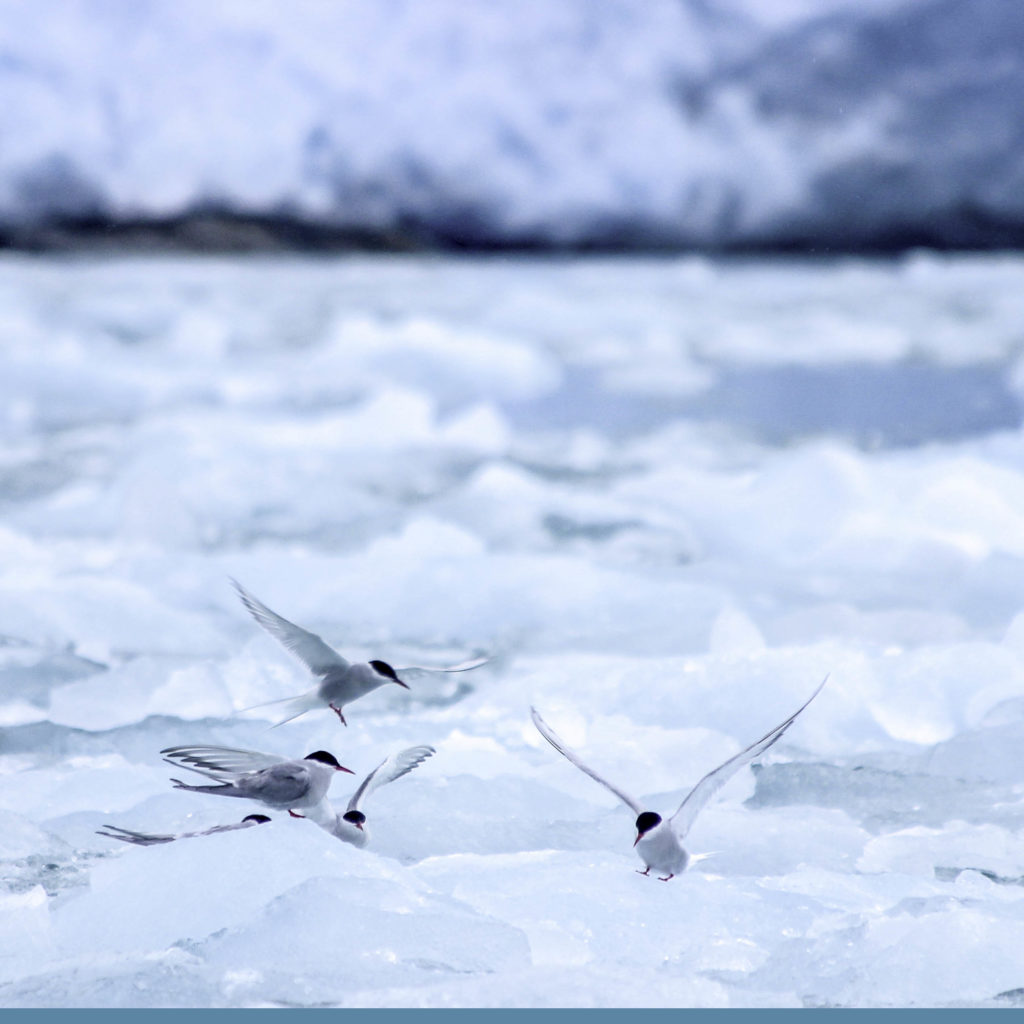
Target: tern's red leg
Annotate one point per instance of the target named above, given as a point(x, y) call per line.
point(647, 872)
point(294, 815)
point(660, 879)
point(337, 711)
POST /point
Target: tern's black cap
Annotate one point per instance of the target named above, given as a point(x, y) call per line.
point(324, 757)
point(646, 821)
point(384, 669)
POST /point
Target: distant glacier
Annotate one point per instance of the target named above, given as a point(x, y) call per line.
point(569, 124)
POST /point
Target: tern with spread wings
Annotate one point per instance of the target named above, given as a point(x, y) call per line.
point(350, 826)
point(340, 681)
point(658, 841)
point(276, 782)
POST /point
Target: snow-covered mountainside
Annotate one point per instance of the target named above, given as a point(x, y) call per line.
point(571, 123)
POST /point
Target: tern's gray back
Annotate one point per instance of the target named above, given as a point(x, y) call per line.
point(282, 785)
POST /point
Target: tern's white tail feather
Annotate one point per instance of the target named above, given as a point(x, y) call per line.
point(295, 705)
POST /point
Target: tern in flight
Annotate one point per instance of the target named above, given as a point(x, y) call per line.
point(659, 841)
point(275, 782)
point(340, 681)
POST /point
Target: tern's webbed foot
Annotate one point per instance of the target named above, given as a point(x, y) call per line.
point(645, 872)
point(337, 711)
point(666, 878)
point(295, 814)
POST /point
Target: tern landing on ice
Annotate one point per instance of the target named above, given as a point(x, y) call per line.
point(350, 827)
point(341, 682)
point(276, 782)
point(126, 835)
point(659, 842)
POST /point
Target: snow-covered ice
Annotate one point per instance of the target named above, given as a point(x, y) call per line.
point(668, 496)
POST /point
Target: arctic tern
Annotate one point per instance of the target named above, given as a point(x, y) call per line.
point(155, 838)
point(340, 681)
point(350, 826)
point(277, 782)
point(659, 842)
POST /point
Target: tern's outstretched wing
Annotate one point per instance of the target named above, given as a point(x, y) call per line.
point(220, 762)
point(545, 730)
point(716, 779)
point(387, 771)
point(416, 671)
point(318, 657)
point(154, 839)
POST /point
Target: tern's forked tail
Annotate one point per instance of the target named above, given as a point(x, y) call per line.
point(296, 706)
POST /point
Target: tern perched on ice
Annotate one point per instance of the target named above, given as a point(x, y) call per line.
point(659, 842)
point(341, 682)
point(155, 838)
point(350, 827)
point(285, 785)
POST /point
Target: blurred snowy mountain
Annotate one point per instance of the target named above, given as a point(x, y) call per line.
point(704, 122)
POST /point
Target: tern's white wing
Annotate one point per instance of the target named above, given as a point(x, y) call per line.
point(220, 762)
point(318, 657)
point(416, 671)
point(716, 779)
point(387, 771)
point(545, 730)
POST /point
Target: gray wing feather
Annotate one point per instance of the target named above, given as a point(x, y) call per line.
point(318, 657)
point(545, 730)
point(220, 762)
point(415, 671)
point(698, 797)
point(138, 838)
point(387, 771)
point(152, 838)
point(279, 784)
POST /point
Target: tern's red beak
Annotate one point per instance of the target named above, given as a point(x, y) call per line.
point(400, 683)
point(342, 768)
point(639, 836)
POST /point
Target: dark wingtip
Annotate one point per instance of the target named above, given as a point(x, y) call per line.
point(259, 819)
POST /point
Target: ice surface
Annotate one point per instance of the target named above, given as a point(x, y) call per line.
point(423, 459)
point(733, 122)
